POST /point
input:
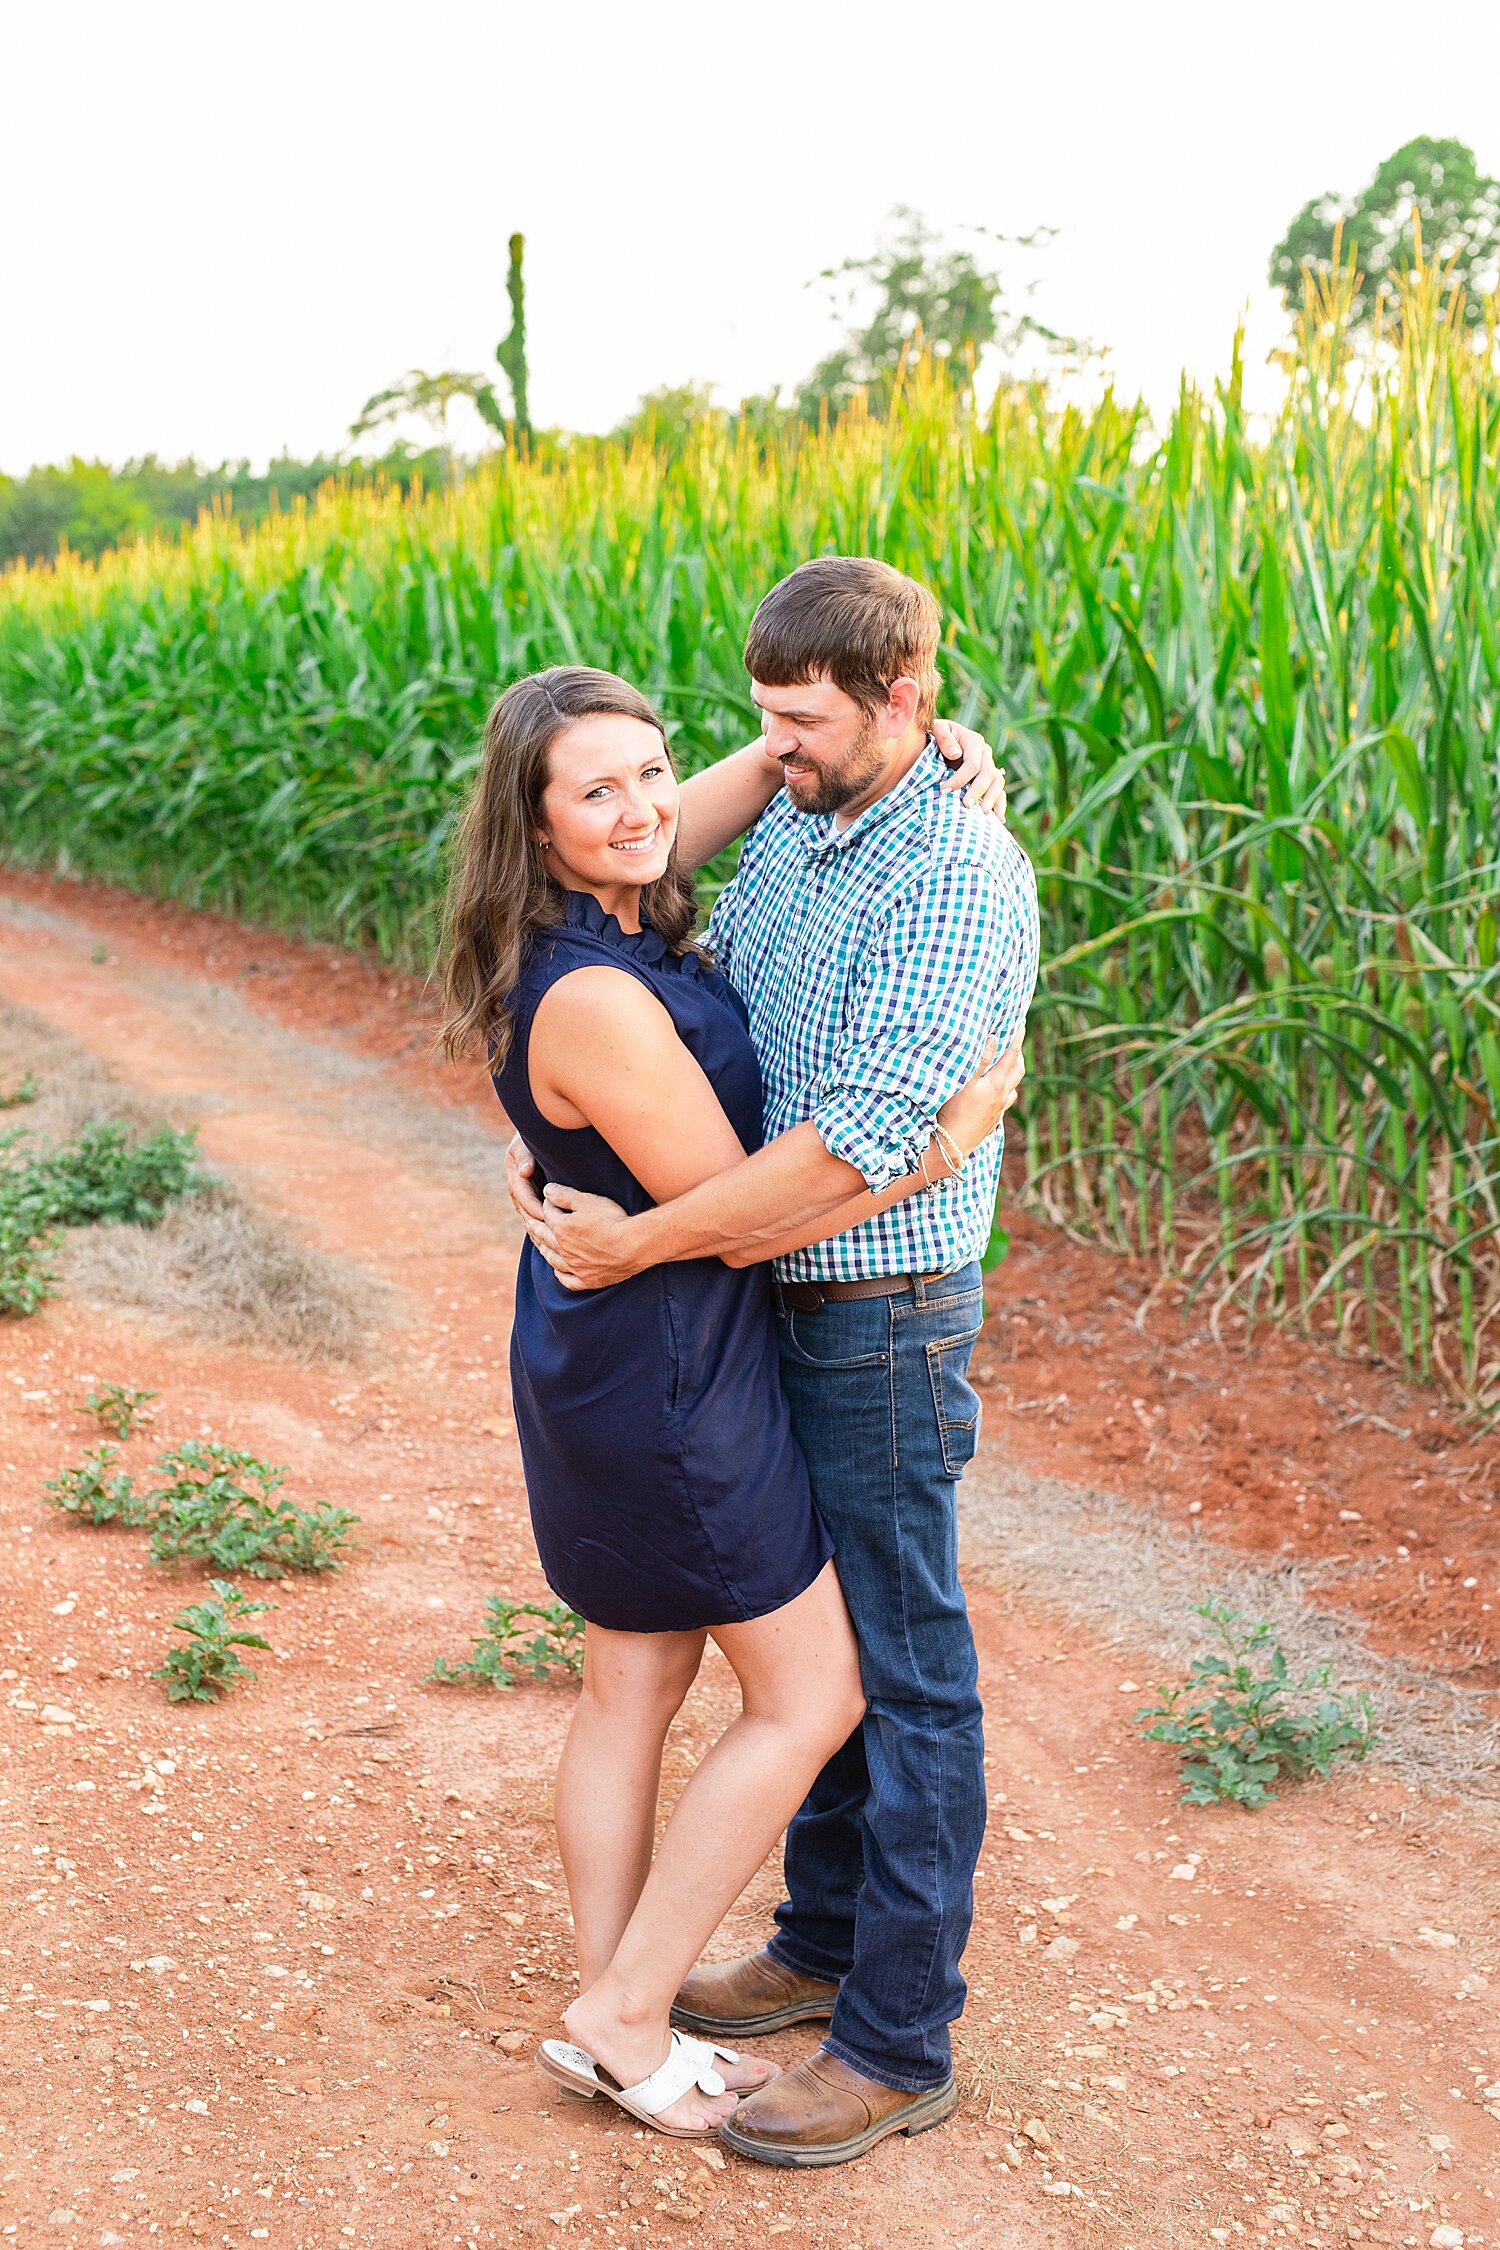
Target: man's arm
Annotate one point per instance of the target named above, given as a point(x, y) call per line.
point(786, 1195)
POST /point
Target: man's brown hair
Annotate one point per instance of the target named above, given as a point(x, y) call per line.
point(852, 620)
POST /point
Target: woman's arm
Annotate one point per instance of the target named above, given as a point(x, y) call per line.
point(605, 1052)
point(720, 803)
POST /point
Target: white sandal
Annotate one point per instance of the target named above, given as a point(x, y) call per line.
point(689, 2063)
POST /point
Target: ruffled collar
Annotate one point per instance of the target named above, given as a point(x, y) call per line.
point(582, 911)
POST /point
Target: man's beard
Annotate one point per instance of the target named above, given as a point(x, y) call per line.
point(833, 787)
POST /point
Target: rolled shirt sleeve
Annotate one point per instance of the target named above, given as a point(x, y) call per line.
point(955, 965)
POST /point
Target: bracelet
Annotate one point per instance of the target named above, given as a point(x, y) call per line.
point(955, 1156)
point(927, 1180)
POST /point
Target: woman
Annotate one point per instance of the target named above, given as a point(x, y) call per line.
point(669, 1500)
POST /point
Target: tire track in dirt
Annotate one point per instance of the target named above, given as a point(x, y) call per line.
point(241, 2082)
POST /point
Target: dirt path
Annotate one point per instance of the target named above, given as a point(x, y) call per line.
point(273, 1971)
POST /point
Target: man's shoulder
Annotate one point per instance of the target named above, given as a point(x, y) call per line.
point(974, 844)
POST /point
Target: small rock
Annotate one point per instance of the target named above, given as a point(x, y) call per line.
point(53, 1715)
point(1438, 1938)
point(1183, 1872)
point(1061, 1949)
point(312, 2086)
point(1447, 2238)
point(197, 2109)
point(316, 1902)
point(126, 2172)
point(512, 2042)
point(712, 2157)
point(468, 2189)
point(62, 2217)
point(1036, 2132)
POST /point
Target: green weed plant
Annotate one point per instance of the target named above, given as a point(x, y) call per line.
point(27, 1277)
point(17, 1096)
point(222, 1506)
point(210, 1504)
point(528, 1639)
point(1240, 1721)
point(96, 1492)
point(118, 1407)
point(208, 1664)
point(101, 1178)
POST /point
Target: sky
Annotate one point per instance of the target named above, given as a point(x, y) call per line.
point(226, 227)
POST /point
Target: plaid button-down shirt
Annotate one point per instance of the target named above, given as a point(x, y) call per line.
point(876, 961)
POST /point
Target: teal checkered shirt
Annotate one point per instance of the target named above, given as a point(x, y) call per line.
point(876, 961)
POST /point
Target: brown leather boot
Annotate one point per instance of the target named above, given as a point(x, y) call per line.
point(736, 1999)
point(825, 2113)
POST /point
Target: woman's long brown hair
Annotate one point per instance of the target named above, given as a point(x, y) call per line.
point(501, 893)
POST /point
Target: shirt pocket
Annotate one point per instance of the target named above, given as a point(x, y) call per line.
point(954, 1399)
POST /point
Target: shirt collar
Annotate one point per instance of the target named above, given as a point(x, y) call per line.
point(824, 838)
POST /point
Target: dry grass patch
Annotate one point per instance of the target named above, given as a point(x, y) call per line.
point(217, 1263)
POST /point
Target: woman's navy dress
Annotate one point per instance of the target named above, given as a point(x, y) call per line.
point(667, 1491)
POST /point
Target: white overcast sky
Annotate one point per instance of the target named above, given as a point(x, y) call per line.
point(227, 225)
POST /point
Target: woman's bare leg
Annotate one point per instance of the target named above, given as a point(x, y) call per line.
point(799, 1677)
point(609, 1778)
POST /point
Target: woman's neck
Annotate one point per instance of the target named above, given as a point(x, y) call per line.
point(622, 900)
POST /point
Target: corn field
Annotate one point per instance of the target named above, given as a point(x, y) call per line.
point(1245, 682)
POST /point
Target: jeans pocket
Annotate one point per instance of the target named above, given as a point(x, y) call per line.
point(954, 1399)
point(830, 1345)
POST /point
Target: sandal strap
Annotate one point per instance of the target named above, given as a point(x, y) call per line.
point(690, 2062)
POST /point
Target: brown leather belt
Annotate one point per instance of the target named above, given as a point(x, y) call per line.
point(811, 1296)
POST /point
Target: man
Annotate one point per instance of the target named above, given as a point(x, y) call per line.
point(884, 936)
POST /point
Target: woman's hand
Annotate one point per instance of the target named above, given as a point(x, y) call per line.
point(974, 767)
point(972, 1114)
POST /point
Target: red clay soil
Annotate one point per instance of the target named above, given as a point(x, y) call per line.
point(273, 1970)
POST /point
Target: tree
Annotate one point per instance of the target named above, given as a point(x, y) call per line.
point(1434, 185)
point(667, 417)
point(945, 294)
point(429, 396)
point(511, 350)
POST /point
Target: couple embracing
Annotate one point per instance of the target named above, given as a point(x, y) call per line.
point(757, 1173)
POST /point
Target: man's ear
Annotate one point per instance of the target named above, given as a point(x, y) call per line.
point(903, 696)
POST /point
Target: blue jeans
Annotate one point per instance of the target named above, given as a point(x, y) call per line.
point(880, 1859)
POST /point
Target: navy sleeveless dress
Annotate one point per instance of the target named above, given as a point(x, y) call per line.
point(667, 1491)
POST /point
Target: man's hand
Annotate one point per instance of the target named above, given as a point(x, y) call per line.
point(585, 1239)
point(520, 1176)
point(974, 767)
